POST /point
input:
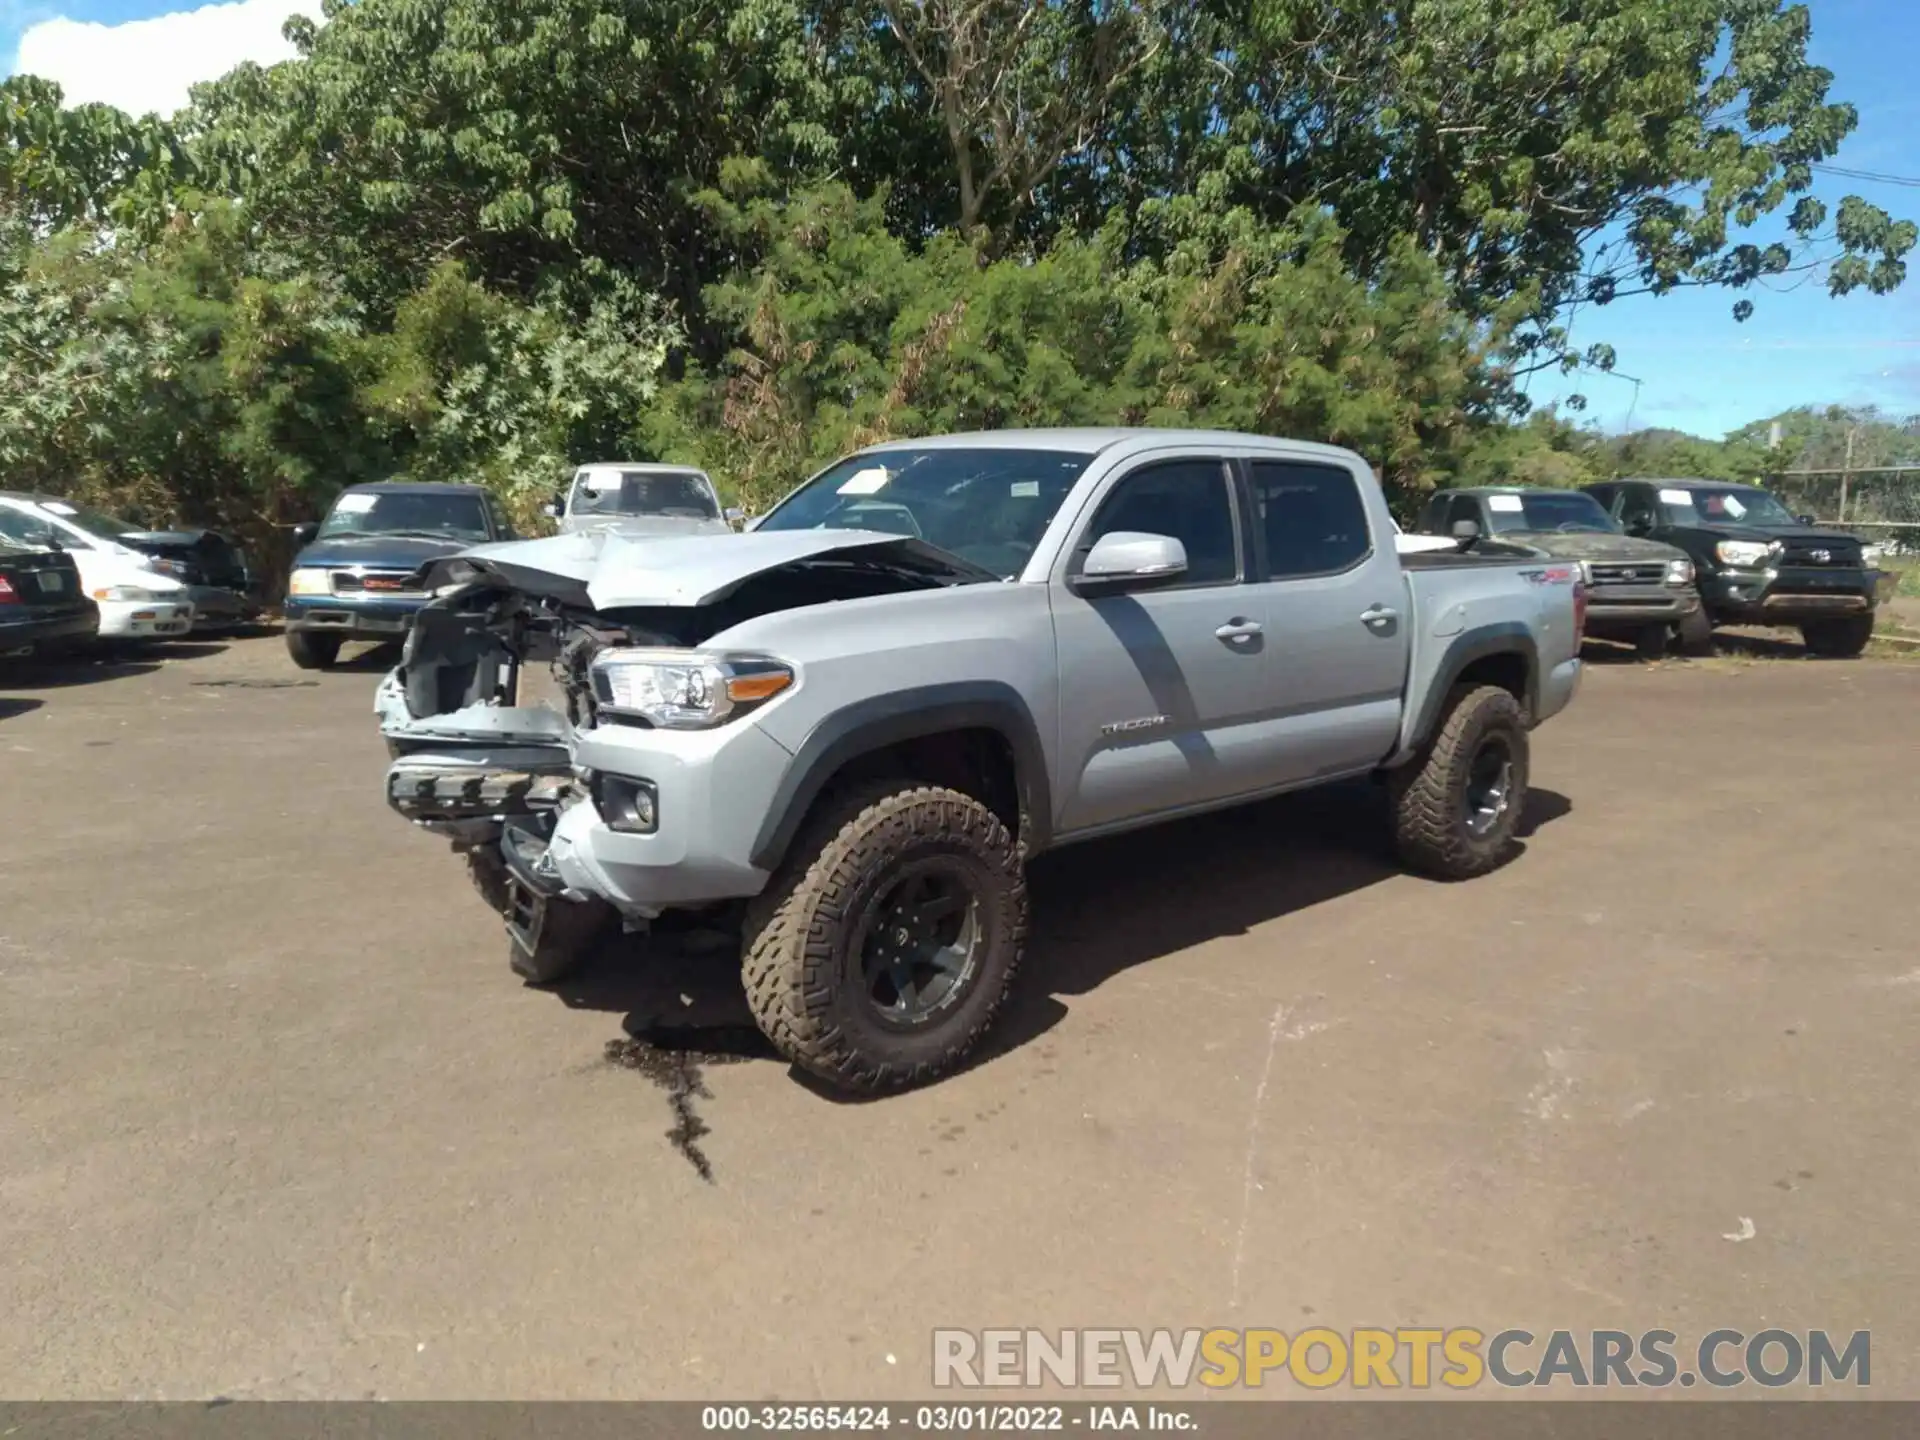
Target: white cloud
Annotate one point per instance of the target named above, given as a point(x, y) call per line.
point(144, 65)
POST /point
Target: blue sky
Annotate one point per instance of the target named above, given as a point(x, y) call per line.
point(1699, 369)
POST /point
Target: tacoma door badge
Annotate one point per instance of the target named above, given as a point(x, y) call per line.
point(1128, 727)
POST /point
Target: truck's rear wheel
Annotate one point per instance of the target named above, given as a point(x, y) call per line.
point(313, 652)
point(1456, 807)
point(1838, 639)
point(880, 954)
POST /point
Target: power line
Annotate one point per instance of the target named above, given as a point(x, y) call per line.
point(1873, 175)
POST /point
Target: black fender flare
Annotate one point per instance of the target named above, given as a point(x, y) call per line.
point(874, 724)
point(1503, 637)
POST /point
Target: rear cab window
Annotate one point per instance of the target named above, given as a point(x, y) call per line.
point(1312, 518)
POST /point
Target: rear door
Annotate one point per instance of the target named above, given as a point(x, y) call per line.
point(1336, 603)
point(1161, 689)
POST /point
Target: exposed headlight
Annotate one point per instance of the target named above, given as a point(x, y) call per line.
point(125, 592)
point(1679, 572)
point(684, 689)
point(1745, 553)
point(309, 582)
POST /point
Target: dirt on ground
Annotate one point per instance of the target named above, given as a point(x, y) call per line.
point(280, 1123)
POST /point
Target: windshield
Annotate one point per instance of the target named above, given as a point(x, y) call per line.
point(684, 494)
point(986, 505)
point(1548, 510)
point(406, 512)
point(1727, 505)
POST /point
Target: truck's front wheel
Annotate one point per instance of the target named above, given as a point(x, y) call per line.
point(882, 952)
point(1838, 639)
point(1456, 807)
point(313, 652)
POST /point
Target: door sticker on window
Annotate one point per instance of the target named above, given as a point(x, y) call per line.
point(865, 482)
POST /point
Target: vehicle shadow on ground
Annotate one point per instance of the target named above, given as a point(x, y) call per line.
point(375, 659)
point(11, 706)
point(1098, 910)
point(107, 661)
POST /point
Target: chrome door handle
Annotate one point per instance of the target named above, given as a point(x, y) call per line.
point(1378, 615)
point(1238, 630)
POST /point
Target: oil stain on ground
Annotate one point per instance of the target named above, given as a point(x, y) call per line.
point(675, 1058)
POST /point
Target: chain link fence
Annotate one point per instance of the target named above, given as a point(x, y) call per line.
point(1882, 506)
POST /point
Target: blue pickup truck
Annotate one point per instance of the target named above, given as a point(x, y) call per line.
point(352, 577)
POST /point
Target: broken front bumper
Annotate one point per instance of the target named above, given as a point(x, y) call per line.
point(548, 794)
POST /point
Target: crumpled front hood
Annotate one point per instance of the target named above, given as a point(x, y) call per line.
point(608, 570)
point(1573, 545)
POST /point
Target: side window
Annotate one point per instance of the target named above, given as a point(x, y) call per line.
point(1436, 519)
point(1464, 507)
point(25, 528)
point(1603, 496)
point(1312, 516)
point(1189, 500)
point(1636, 506)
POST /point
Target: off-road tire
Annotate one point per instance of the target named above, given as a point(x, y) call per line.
point(1429, 793)
point(802, 982)
point(313, 652)
point(1651, 642)
point(1696, 634)
point(1838, 639)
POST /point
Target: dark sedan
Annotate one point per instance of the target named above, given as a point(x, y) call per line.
point(42, 606)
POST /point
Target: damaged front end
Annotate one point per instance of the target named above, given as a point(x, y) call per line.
point(529, 724)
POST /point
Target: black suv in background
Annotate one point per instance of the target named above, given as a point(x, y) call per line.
point(1755, 561)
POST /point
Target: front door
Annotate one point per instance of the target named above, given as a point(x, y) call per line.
point(1160, 689)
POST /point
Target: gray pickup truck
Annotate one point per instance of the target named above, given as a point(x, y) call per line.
point(848, 730)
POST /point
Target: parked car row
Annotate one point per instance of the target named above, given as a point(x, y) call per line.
point(353, 577)
point(1668, 560)
point(136, 584)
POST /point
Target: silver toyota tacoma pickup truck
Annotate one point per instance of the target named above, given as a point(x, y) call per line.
point(847, 731)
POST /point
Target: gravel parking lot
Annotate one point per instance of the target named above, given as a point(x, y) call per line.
point(279, 1122)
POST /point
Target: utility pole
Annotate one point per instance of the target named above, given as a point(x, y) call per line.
point(1846, 471)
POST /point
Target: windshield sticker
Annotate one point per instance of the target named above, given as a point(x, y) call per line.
point(354, 504)
point(1734, 507)
point(1676, 497)
point(865, 482)
point(60, 507)
point(1506, 504)
point(1025, 490)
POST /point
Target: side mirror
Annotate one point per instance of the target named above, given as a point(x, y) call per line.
point(1466, 533)
point(1638, 525)
point(303, 534)
point(735, 514)
point(1130, 559)
point(1806, 519)
point(551, 510)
